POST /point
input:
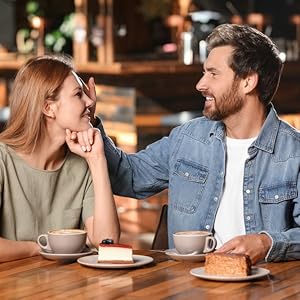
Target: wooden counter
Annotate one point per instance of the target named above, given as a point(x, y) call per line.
point(168, 86)
point(124, 68)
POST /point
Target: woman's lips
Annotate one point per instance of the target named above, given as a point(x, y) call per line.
point(86, 114)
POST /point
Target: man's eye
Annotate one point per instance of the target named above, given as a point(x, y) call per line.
point(208, 72)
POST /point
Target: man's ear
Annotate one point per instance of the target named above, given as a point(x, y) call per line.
point(49, 109)
point(250, 82)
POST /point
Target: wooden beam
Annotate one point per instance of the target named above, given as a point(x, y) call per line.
point(80, 39)
point(109, 33)
point(101, 25)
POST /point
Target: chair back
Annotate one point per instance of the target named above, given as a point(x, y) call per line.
point(160, 241)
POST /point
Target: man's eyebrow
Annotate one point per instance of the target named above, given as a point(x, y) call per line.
point(210, 69)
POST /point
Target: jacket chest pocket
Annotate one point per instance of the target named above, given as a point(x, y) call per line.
point(187, 184)
point(278, 193)
point(276, 203)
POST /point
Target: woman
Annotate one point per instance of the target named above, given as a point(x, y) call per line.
point(43, 184)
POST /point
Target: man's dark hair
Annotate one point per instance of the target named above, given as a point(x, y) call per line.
point(253, 52)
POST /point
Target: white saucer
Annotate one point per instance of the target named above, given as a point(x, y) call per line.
point(92, 261)
point(65, 257)
point(255, 274)
point(185, 257)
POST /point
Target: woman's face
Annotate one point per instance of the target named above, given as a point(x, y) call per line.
point(72, 107)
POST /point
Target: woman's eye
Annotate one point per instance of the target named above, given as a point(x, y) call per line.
point(79, 94)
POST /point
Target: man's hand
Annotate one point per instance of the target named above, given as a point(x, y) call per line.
point(254, 245)
point(90, 91)
point(93, 96)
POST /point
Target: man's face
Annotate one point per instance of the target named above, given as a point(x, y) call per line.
point(219, 86)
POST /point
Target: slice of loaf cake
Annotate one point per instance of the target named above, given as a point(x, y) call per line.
point(227, 264)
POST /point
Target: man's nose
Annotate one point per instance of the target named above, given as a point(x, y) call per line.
point(200, 86)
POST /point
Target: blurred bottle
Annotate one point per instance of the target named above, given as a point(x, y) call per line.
point(186, 48)
point(202, 51)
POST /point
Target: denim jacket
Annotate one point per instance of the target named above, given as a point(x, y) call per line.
point(191, 163)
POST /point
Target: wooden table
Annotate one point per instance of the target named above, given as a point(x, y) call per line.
point(38, 278)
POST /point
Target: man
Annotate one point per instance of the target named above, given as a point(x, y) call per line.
point(234, 172)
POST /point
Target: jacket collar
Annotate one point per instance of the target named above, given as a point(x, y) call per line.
point(267, 136)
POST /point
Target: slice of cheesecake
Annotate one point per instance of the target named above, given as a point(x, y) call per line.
point(115, 253)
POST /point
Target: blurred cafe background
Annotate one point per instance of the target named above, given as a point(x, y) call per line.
point(146, 57)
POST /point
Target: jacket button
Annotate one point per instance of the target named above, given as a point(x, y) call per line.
point(248, 191)
point(276, 197)
point(207, 227)
point(186, 174)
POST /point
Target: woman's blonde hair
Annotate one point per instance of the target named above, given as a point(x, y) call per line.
point(40, 79)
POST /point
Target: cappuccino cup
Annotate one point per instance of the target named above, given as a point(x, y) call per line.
point(194, 242)
point(63, 241)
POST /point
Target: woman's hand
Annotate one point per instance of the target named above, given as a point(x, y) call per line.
point(87, 144)
point(12, 250)
point(104, 223)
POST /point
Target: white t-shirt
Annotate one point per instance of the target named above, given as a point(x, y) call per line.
point(230, 215)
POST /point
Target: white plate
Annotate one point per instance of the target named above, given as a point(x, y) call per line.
point(255, 274)
point(65, 257)
point(92, 261)
point(185, 257)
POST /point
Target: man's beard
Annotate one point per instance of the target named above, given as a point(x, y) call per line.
point(230, 103)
